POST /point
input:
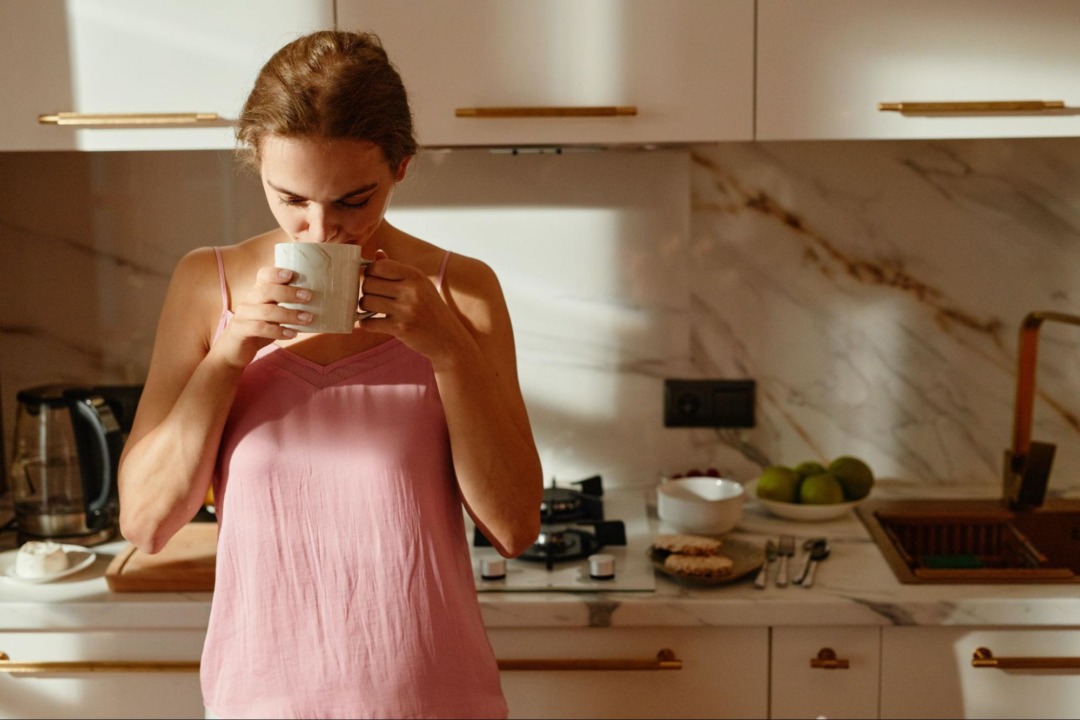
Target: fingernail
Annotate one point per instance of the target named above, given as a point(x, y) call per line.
point(284, 274)
point(303, 294)
point(288, 332)
point(304, 316)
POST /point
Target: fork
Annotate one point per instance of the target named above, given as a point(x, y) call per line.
point(786, 549)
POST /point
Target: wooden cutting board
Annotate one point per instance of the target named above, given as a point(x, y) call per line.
point(185, 564)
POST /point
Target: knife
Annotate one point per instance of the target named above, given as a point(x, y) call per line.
point(762, 578)
point(787, 549)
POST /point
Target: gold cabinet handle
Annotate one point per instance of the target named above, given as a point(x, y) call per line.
point(7, 665)
point(665, 660)
point(988, 106)
point(984, 658)
point(826, 660)
point(546, 112)
point(134, 119)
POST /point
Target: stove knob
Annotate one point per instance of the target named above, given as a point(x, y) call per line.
point(493, 568)
point(602, 567)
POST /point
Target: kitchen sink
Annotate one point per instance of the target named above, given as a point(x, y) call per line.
point(976, 541)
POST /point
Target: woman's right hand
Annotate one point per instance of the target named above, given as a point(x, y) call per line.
point(257, 317)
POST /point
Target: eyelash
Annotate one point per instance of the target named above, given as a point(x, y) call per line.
point(300, 202)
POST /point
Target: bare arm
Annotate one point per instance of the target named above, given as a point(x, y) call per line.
point(472, 353)
point(169, 457)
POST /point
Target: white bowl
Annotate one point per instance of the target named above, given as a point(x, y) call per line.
point(803, 513)
point(701, 505)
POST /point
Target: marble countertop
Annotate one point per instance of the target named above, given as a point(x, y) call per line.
point(854, 586)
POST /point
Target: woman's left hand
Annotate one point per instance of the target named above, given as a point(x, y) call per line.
point(409, 307)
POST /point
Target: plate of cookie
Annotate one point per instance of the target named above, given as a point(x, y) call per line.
point(703, 560)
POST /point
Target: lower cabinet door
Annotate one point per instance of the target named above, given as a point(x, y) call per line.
point(928, 672)
point(131, 685)
point(825, 672)
point(724, 672)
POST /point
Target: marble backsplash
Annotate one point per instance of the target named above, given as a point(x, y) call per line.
point(874, 290)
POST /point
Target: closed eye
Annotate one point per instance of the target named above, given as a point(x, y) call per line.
point(292, 201)
point(354, 205)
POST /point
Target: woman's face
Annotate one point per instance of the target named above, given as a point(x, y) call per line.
point(327, 190)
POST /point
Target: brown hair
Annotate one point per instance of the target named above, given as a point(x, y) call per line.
point(329, 84)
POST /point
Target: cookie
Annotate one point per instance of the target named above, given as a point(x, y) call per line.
point(688, 544)
point(705, 566)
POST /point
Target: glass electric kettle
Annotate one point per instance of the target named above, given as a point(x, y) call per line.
point(64, 462)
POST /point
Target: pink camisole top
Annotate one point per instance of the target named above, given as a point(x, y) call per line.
point(344, 585)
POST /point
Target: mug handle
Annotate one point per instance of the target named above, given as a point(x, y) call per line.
point(363, 314)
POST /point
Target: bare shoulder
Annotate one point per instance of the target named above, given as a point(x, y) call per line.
point(243, 260)
point(193, 302)
point(471, 286)
point(194, 276)
point(194, 299)
point(469, 274)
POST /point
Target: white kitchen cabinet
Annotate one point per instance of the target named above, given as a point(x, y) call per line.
point(825, 672)
point(124, 57)
point(823, 66)
point(685, 65)
point(724, 673)
point(99, 694)
point(927, 672)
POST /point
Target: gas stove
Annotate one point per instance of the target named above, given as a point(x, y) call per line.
point(589, 541)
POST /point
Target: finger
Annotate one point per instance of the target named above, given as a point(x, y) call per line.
point(273, 314)
point(380, 287)
point(376, 304)
point(274, 276)
point(261, 329)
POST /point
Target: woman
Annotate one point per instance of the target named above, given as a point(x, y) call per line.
point(339, 463)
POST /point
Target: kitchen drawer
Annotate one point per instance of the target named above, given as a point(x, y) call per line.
point(101, 694)
point(724, 673)
point(927, 672)
point(808, 682)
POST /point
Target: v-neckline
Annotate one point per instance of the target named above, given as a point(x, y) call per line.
point(345, 360)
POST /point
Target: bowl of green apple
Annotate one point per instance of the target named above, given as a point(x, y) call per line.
point(812, 491)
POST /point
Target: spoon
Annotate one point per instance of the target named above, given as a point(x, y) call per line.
point(762, 578)
point(817, 554)
point(808, 548)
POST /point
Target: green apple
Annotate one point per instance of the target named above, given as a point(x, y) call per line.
point(778, 482)
point(854, 475)
point(821, 489)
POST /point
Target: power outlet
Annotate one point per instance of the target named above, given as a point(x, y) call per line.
point(709, 403)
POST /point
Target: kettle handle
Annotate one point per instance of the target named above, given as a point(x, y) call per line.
point(100, 441)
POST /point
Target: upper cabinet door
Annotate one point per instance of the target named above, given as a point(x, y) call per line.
point(685, 67)
point(118, 59)
point(825, 65)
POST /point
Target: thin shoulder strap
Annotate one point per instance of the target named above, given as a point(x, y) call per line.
point(224, 294)
point(221, 278)
point(442, 271)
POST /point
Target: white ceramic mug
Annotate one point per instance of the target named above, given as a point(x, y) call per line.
point(331, 272)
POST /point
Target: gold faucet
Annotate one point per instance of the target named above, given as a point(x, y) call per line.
point(1027, 464)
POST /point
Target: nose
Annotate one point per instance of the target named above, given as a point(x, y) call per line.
point(322, 223)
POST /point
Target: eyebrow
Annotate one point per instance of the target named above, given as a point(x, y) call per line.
point(352, 193)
